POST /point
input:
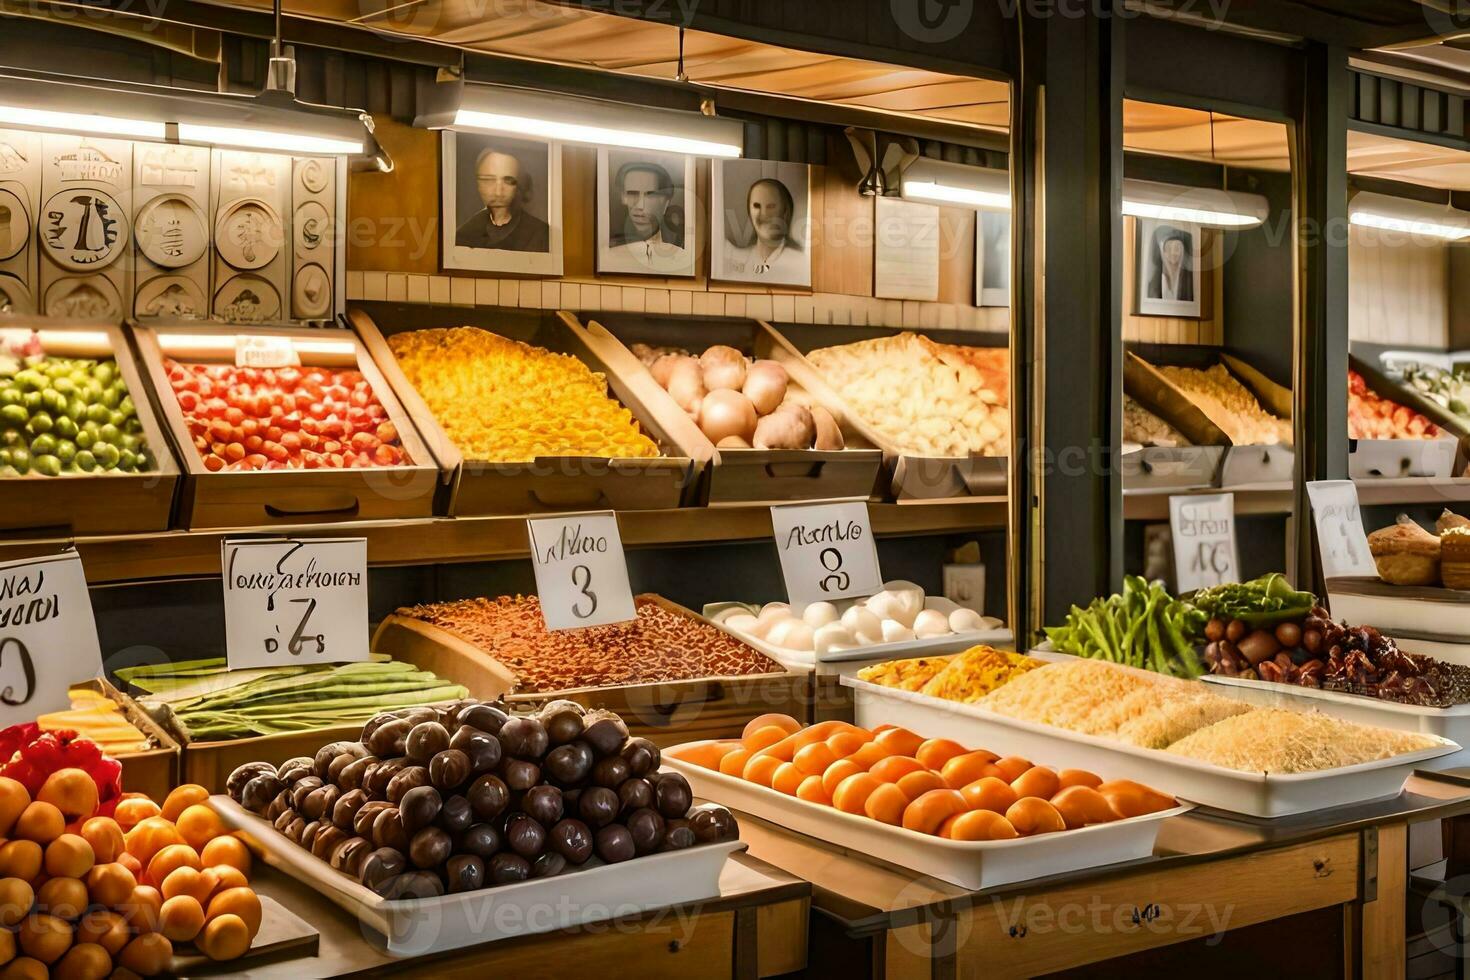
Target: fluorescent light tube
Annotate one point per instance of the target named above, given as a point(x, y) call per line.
point(597, 135)
point(1388, 213)
point(76, 122)
point(266, 139)
point(1196, 205)
point(941, 182)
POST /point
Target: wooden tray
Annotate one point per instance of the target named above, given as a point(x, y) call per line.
point(210, 763)
point(283, 935)
point(93, 503)
point(284, 497)
point(908, 477)
point(666, 712)
point(728, 476)
point(546, 484)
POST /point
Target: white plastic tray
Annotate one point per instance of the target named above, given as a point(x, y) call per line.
point(1452, 723)
point(1421, 618)
point(969, 864)
point(415, 928)
point(1254, 794)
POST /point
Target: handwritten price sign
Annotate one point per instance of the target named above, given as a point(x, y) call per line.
point(1341, 540)
point(581, 571)
point(290, 601)
point(827, 551)
point(1203, 528)
point(48, 638)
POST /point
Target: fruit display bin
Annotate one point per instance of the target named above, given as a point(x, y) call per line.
point(281, 497)
point(433, 925)
point(546, 484)
point(728, 476)
point(666, 712)
point(96, 502)
point(969, 864)
point(1440, 458)
point(210, 763)
point(153, 771)
point(905, 476)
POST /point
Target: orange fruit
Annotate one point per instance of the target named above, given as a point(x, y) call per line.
point(110, 884)
point(21, 859)
point(237, 901)
point(189, 881)
point(142, 908)
point(814, 759)
point(149, 836)
point(71, 791)
point(25, 968)
point(899, 741)
point(226, 877)
point(16, 899)
point(761, 769)
point(181, 918)
point(105, 928)
point(812, 791)
point(148, 955)
point(706, 755)
point(894, 768)
point(105, 837)
point(85, 961)
point(962, 770)
point(13, 801)
point(1130, 799)
point(1079, 777)
point(733, 763)
point(787, 778)
point(1030, 816)
point(131, 812)
point(183, 797)
point(844, 744)
point(131, 863)
point(989, 793)
point(199, 825)
point(852, 793)
point(225, 937)
point(1037, 781)
point(837, 772)
point(1082, 805)
point(916, 784)
point(933, 808)
point(65, 898)
point(1011, 767)
point(45, 937)
point(173, 856)
point(886, 804)
point(41, 822)
point(978, 825)
point(227, 850)
point(786, 723)
point(763, 738)
point(869, 754)
point(935, 752)
point(69, 856)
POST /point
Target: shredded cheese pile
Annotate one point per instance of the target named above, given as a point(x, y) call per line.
point(1277, 740)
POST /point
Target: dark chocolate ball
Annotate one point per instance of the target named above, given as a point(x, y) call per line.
point(672, 796)
point(615, 843)
point(598, 806)
point(525, 836)
point(610, 771)
point(548, 865)
point(345, 810)
point(519, 774)
point(449, 769)
point(544, 804)
point(408, 777)
point(486, 717)
point(411, 886)
point(419, 808)
point(641, 755)
point(524, 738)
point(481, 840)
point(430, 848)
point(506, 867)
point(488, 796)
point(388, 830)
point(647, 830)
point(712, 823)
point(465, 872)
point(634, 794)
point(569, 764)
point(678, 835)
point(380, 865)
point(362, 823)
point(572, 839)
point(481, 748)
point(563, 721)
point(606, 734)
point(455, 814)
point(425, 741)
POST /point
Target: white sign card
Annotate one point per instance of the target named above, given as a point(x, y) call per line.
point(581, 571)
point(265, 351)
point(48, 638)
point(1205, 552)
point(1341, 541)
point(295, 601)
point(906, 250)
point(827, 551)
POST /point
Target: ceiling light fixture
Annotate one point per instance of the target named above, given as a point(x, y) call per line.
point(1388, 213)
point(1198, 205)
point(941, 182)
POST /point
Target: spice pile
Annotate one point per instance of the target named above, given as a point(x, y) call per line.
point(659, 645)
point(1230, 405)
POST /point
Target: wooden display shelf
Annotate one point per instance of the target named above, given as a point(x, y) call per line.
point(1276, 498)
point(438, 540)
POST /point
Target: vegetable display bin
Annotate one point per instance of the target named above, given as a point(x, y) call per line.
point(729, 476)
point(549, 483)
point(266, 498)
point(96, 502)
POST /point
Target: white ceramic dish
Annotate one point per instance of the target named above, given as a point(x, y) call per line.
point(1451, 723)
point(1254, 794)
point(414, 928)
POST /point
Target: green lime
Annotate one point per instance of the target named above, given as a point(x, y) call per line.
point(42, 422)
point(111, 396)
point(126, 406)
point(107, 456)
point(20, 458)
point(109, 433)
point(85, 439)
point(66, 450)
point(43, 445)
point(105, 371)
point(76, 410)
point(66, 428)
point(64, 386)
point(130, 442)
point(31, 400)
point(53, 400)
point(46, 465)
point(10, 395)
point(14, 415)
point(118, 419)
point(85, 461)
point(98, 412)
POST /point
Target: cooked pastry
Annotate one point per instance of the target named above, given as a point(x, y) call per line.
point(1455, 557)
point(976, 672)
point(1449, 519)
point(1406, 554)
point(906, 675)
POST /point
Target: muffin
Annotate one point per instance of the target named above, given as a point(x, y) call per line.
point(1406, 554)
point(1455, 558)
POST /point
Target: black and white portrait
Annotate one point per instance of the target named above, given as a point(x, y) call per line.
point(646, 209)
point(761, 222)
point(502, 204)
point(1168, 268)
point(992, 258)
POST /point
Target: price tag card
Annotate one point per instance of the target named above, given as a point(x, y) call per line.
point(290, 601)
point(265, 351)
point(1203, 528)
point(827, 551)
point(48, 638)
point(1341, 540)
point(581, 572)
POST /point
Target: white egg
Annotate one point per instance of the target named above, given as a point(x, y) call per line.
point(966, 621)
point(819, 614)
point(940, 604)
point(931, 623)
point(991, 623)
point(831, 637)
point(896, 632)
point(910, 598)
point(726, 613)
point(886, 605)
point(771, 608)
point(792, 634)
point(863, 624)
point(741, 622)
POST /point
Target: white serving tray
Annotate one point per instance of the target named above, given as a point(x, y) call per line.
point(969, 864)
point(1451, 723)
point(1254, 794)
point(1418, 615)
point(416, 928)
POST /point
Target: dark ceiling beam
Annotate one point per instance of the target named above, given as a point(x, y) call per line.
point(1178, 63)
point(1315, 23)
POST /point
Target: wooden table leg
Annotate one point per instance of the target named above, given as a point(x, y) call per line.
point(1381, 934)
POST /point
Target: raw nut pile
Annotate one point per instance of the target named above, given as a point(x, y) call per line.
point(290, 418)
point(658, 645)
point(1147, 429)
point(465, 796)
point(504, 401)
point(1230, 406)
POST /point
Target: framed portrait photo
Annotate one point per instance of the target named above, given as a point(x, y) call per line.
point(760, 222)
point(992, 258)
point(1166, 258)
point(501, 204)
point(647, 213)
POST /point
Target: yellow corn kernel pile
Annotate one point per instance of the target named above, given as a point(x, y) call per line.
point(505, 401)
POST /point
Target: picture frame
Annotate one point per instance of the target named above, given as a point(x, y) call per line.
point(647, 213)
point(992, 258)
point(530, 240)
point(1167, 268)
point(776, 252)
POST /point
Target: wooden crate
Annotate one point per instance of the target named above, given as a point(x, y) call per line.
point(153, 771)
point(93, 503)
point(907, 477)
point(284, 497)
point(728, 476)
point(667, 712)
point(210, 763)
point(546, 484)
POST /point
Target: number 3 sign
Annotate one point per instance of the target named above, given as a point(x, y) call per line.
point(581, 572)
